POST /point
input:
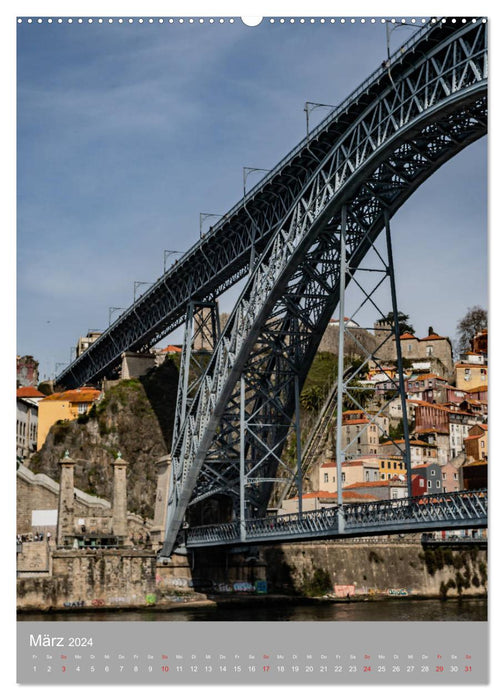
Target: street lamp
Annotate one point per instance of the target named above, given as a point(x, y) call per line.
point(135, 287)
point(246, 172)
point(202, 218)
point(113, 309)
point(389, 30)
point(58, 364)
point(309, 107)
point(167, 254)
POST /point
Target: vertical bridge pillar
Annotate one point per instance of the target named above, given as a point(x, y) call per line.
point(65, 526)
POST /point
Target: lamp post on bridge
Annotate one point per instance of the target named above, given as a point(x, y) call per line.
point(58, 364)
point(395, 25)
point(136, 285)
point(307, 109)
point(167, 254)
point(246, 172)
point(202, 217)
point(113, 309)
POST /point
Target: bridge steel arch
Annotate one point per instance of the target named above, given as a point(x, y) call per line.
point(426, 115)
point(220, 259)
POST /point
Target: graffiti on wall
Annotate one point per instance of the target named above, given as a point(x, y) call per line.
point(343, 590)
point(243, 587)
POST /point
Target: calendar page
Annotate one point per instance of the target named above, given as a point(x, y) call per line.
point(269, 465)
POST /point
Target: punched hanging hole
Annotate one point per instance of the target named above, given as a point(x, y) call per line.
point(251, 21)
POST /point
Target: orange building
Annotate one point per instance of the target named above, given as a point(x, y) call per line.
point(476, 443)
point(64, 405)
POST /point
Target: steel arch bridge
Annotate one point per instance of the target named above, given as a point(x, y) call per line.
point(433, 106)
point(222, 257)
point(318, 212)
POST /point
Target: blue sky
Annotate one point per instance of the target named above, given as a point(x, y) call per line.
point(127, 132)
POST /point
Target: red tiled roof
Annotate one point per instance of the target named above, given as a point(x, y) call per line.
point(434, 336)
point(411, 442)
point(357, 421)
point(419, 402)
point(172, 348)
point(347, 493)
point(430, 375)
point(477, 389)
point(360, 496)
point(83, 395)
point(458, 413)
point(408, 336)
point(318, 494)
point(28, 392)
point(441, 407)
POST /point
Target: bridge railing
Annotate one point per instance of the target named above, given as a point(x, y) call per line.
point(462, 506)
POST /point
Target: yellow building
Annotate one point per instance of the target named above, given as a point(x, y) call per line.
point(64, 405)
point(391, 466)
point(470, 375)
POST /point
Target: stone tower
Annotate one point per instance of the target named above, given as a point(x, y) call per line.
point(65, 526)
point(119, 502)
point(163, 484)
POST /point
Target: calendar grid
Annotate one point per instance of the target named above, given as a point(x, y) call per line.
point(264, 653)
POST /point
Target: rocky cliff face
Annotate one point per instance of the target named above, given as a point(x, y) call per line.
point(135, 417)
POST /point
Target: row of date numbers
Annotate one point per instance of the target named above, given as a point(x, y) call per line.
point(267, 669)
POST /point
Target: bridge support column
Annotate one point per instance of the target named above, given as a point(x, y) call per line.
point(340, 455)
point(163, 484)
point(387, 332)
point(299, 473)
point(243, 526)
point(397, 336)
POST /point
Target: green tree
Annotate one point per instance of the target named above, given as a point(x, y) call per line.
point(403, 320)
point(362, 394)
point(311, 398)
point(475, 320)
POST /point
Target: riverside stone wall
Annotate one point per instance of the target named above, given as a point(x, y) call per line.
point(378, 568)
point(134, 578)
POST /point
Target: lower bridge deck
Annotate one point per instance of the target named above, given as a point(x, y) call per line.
point(444, 511)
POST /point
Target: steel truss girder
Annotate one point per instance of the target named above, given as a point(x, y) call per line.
point(221, 258)
point(367, 169)
point(202, 331)
point(444, 511)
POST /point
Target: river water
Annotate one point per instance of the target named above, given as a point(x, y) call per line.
point(401, 610)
